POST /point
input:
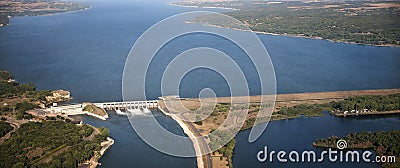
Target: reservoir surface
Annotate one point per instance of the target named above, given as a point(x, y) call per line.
point(84, 52)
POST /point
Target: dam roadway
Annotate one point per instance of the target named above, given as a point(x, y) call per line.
point(204, 146)
point(201, 143)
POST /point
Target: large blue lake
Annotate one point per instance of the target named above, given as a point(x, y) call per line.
point(84, 52)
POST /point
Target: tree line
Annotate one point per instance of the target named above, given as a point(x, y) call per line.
point(372, 103)
point(369, 103)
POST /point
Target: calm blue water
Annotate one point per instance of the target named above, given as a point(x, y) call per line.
point(84, 52)
point(298, 134)
point(130, 151)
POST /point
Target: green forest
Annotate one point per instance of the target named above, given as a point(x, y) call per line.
point(55, 142)
point(22, 97)
point(10, 88)
point(50, 144)
point(374, 23)
point(4, 128)
point(372, 103)
point(358, 103)
point(227, 151)
point(306, 110)
point(383, 143)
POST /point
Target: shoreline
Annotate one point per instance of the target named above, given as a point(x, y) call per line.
point(367, 113)
point(296, 35)
point(204, 7)
point(283, 100)
point(104, 118)
point(93, 162)
point(307, 37)
point(314, 96)
point(321, 38)
point(190, 134)
point(47, 14)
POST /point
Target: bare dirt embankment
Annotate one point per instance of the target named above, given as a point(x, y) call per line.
point(289, 100)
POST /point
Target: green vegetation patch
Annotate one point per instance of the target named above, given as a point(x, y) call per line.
point(305, 110)
point(220, 108)
point(370, 103)
point(10, 89)
point(5, 75)
point(367, 103)
point(364, 104)
point(363, 22)
point(4, 128)
point(21, 97)
point(227, 151)
point(22, 108)
point(89, 108)
point(50, 144)
point(216, 140)
point(383, 143)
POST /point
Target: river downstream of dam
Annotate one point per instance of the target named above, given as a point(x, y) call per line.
point(84, 52)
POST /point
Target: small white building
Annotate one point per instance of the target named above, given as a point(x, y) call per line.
point(67, 109)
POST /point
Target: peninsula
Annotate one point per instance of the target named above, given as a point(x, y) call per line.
point(359, 22)
point(29, 138)
point(12, 8)
point(287, 106)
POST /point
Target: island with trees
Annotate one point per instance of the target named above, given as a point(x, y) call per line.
point(382, 143)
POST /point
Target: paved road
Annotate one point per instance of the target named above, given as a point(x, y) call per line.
point(15, 124)
point(203, 144)
point(15, 127)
